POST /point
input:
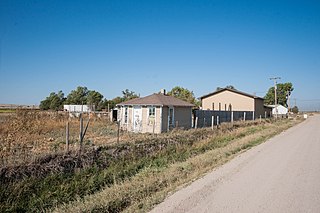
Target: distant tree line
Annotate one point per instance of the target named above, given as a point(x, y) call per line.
point(84, 96)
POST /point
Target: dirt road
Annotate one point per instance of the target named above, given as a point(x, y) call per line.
point(281, 175)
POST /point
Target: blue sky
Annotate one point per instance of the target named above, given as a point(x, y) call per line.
point(109, 46)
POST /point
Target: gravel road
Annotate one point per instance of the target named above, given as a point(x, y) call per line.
point(281, 175)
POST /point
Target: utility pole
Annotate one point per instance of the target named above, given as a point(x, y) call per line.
point(275, 93)
point(288, 94)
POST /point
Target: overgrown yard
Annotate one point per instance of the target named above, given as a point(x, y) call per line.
point(130, 176)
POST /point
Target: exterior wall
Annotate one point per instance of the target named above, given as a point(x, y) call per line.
point(165, 113)
point(77, 108)
point(281, 110)
point(238, 102)
point(149, 125)
point(182, 118)
point(121, 118)
point(146, 124)
point(260, 109)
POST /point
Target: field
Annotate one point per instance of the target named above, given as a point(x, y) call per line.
point(38, 175)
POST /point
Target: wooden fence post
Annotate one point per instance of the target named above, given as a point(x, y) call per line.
point(232, 117)
point(260, 118)
point(118, 132)
point(244, 116)
point(81, 130)
point(196, 125)
point(212, 122)
point(217, 120)
point(67, 137)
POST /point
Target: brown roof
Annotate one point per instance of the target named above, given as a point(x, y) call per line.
point(157, 100)
point(231, 90)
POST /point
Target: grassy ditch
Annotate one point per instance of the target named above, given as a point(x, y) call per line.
point(128, 176)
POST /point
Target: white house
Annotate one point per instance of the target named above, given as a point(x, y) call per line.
point(77, 108)
point(279, 110)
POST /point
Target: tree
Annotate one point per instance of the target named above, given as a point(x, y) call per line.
point(94, 98)
point(115, 101)
point(78, 96)
point(128, 95)
point(54, 101)
point(227, 87)
point(283, 92)
point(184, 94)
point(295, 110)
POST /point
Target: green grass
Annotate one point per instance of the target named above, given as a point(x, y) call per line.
point(35, 194)
point(7, 110)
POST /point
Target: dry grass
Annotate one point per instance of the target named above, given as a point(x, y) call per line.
point(108, 177)
point(27, 134)
point(153, 184)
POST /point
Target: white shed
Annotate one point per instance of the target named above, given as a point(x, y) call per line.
point(279, 109)
point(77, 108)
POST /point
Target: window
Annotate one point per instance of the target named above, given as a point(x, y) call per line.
point(126, 115)
point(212, 106)
point(225, 107)
point(171, 117)
point(219, 106)
point(152, 115)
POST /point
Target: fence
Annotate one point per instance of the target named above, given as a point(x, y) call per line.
point(207, 118)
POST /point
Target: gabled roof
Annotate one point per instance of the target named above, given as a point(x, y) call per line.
point(156, 100)
point(231, 90)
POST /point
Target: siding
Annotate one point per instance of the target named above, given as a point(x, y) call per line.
point(238, 102)
point(182, 117)
point(165, 111)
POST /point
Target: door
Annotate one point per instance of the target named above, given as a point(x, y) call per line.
point(137, 119)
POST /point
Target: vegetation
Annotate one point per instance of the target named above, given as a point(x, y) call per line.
point(227, 87)
point(54, 101)
point(83, 96)
point(184, 94)
point(295, 109)
point(131, 175)
point(283, 92)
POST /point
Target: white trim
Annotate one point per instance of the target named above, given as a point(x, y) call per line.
point(161, 119)
point(155, 114)
point(133, 119)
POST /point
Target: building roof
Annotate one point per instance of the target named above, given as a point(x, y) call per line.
point(278, 105)
point(231, 90)
point(157, 100)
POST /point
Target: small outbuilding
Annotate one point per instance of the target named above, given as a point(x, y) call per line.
point(78, 108)
point(155, 113)
point(279, 110)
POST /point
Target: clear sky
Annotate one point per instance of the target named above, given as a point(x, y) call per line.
point(109, 46)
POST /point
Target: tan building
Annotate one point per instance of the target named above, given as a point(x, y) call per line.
point(155, 114)
point(234, 100)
